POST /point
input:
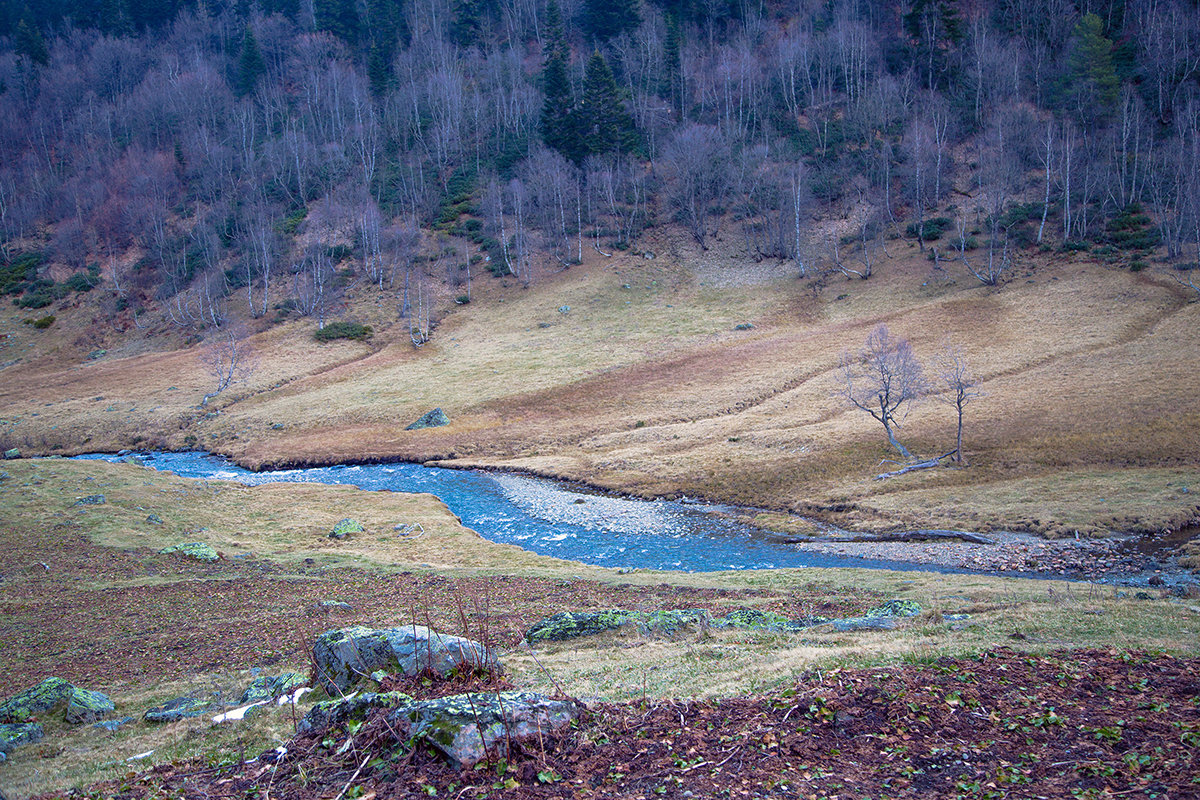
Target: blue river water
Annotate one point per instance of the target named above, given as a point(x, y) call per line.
point(551, 518)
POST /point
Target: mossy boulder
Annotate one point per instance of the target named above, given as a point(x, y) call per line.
point(267, 687)
point(754, 619)
point(12, 453)
point(13, 735)
point(468, 728)
point(35, 702)
point(335, 713)
point(575, 624)
point(177, 709)
point(346, 527)
point(197, 550)
point(432, 419)
point(86, 705)
point(895, 608)
point(343, 657)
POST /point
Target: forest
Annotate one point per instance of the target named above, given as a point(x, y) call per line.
point(203, 156)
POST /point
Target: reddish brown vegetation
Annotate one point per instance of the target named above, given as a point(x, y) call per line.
point(1003, 724)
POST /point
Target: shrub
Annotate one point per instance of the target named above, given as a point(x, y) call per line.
point(1137, 265)
point(82, 282)
point(38, 299)
point(44, 322)
point(343, 330)
point(291, 223)
point(21, 269)
point(931, 230)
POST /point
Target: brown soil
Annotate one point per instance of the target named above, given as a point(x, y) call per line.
point(1001, 725)
point(218, 617)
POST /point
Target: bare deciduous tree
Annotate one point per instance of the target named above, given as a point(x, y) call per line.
point(962, 387)
point(883, 377)
point(229, 359)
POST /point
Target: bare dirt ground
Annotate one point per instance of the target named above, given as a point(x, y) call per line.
point(1090, 724)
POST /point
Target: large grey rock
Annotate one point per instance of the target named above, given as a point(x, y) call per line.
point(197, 550)
point(13, 736)
point(33, 703)
point(86, 705)
point(177, 709)
point(865, 624)
point(356, 706)
point(343, 657)
point(469, 728)
point(432, 419)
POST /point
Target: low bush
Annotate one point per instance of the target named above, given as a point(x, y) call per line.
point(44, 322)
point(931, 230)
point(343, 330)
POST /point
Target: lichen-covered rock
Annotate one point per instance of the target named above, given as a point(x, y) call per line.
point(345, 528)
point(267, 687)
point(865, 624)
point(86, 705)
point(469, 728)
point(754, 619)
point(345, 656)
point(33, 703)
point(333, 713)
point(197, 550)
point(574, 624)
point(432, 419)
point(177, 709)
point(895, 608)
point(14, 735)
point(91, 500)
point(12, 453)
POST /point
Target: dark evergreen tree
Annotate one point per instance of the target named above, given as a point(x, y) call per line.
point(386, 28)
point(671, 86)
point(288, 8)
point(1092, 84)
point(935, 28)
point(339, 17)
point(250, 67)
point(560, 118)
point(30, 44)
point(470, 22)
point(605, 125)
point(604, 19)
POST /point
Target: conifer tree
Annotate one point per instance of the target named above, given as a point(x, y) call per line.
point(339, 17)
point(672, 79)
point(251, 66)
point(1093, 85)
point(606, 126)
point(30, 44)
point(604, 19)
point(560, 123)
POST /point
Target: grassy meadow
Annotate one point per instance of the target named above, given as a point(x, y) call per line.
point(630, 373)
point(87, 596)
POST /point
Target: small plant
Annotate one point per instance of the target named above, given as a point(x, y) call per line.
point(44, 322)
point(343, 330)
point(930, 230)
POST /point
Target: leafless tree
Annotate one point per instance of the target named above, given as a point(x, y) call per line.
point(882, 379)
point(962, 387)
point(228, 359)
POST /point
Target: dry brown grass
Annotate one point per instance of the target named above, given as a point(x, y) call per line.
point(1087, 370)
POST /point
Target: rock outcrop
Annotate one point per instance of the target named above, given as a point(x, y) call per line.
point(344, 657)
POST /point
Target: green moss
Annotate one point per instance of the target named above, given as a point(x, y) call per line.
point(346, 527)
point(32, 703)
point(895, 608)
point(197, 550)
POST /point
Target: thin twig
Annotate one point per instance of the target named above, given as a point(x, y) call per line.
point(353, 777)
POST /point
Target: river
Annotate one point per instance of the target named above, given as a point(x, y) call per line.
point(551, 518)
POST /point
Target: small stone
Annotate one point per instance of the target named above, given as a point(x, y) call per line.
point(154, 519)
point(111, 725)
point(177, 709)
point(91, 500)
point(564, 309)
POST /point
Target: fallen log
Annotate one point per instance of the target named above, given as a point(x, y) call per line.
point(896, 536)
point(926, 464)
